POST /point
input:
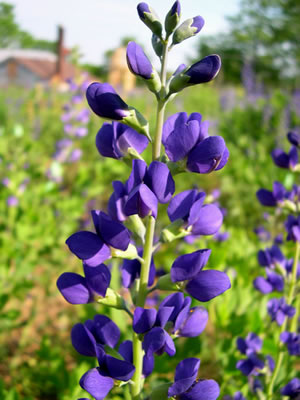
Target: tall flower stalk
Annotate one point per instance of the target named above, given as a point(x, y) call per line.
point(128, 230)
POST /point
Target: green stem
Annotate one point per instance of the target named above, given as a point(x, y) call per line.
point(280, 354)
point(137, 382)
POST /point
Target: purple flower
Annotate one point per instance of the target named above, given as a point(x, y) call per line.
point(279, 310)
point(186, 387)
point(284, 160)
point(252, 344)
point(80, 290)
point(138, 62)
point(146, 187)
point(94, 248)
point(126, 351)
point(105, 102)
point(292, 341)
point(270, 257)
point(292, 225)
point(187, 137)
point(96, 383)
point(5, 182)
point(200, 219)
point(251, 365)
point(262, 233)
point(273, 282)
point(114, 140)
point(292, 389)
point(150, 18)
point(187, 29)
point(75, 155)
point(12, 201)
point(202, 285)
point(272, 199)
point(294, 138)
point(131, 271)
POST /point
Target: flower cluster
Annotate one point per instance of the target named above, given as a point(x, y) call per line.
point(127, 230)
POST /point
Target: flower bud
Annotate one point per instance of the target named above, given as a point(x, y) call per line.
point(157, 45)
point(150, 18)
point(106, 103)
point(139, 65)
point(202, 71)
point(172, 18)
point(187, 29)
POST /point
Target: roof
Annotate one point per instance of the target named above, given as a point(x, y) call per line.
point(41, 63)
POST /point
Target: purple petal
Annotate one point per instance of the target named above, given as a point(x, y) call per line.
point(105, 142)
point(159, 179)
point(280, 158)
point(207, 389)
point(118, 369)
point(126, 350)
point(196, 208)
point(181, 140)
point(181, 204)
point(141, 201)
point(266, 198)
point(154, 340)
point(105, 102)
point(204, 70)
point(209, 221)
point(185, 375)
point(148, 364)
point(106, 331)
point(74, 288)
point(127, 137)
point(141, 8)
point(261, 284)
point(188, 266)
point(174, 121)
point(169, 346)
point(137, 61)
point(136, 177)
point(96, 384)
point(207, 155)
point(198, 23)
point(294, 138)
point(113, 233)
point(163, 316)
point(143, 319)
point(195, 322)
point(208, 284)
point(182, 316)
point(97, 278)
point(86, 245)
point(83, 341)
point(175, 300)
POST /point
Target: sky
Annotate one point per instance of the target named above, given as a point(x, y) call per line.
point(98, 25)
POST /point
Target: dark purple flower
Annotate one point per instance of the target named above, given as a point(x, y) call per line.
point(272, 199)
point(279, 310)
point(202, 219)
point(143, 319)
point(252, 344)
point(114, 140)
point(94, 248)
point(285, 160)
point(292, 389)
point(209, 155)
point(186, 387)
point(270, 257)
point(138, 62)
point(126, 351)
point(131, 271)
point(102, 331)
point(273, 282)
point(105, 102)
point(117, 202)
point(80, 290)
point(292, 225)
point(250, 365)
point(294, 138)
point(159, 180)
point(292, 341)
point(158, 341)
point(191, 323)
point(204, 70)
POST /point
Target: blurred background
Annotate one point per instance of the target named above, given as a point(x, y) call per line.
point(51, 174)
